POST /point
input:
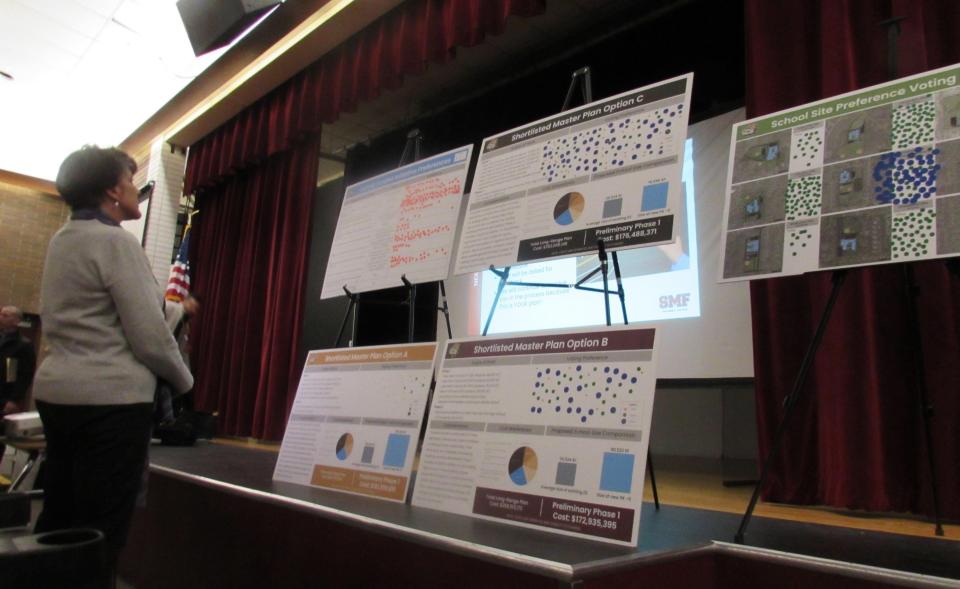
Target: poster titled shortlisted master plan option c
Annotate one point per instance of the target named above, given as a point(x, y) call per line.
point(545, 431)
point(399, 223)
point(356, 418)
point(607, 171)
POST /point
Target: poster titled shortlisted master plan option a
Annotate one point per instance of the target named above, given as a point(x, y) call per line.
point(869, 177)
point(398, 223)
point(356, 418)
point(607, 171)
point(543, 431)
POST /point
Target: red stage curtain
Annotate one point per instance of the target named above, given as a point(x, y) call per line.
point(249, 264)
point(856, 439)
point(254, 178)
point(402, 42)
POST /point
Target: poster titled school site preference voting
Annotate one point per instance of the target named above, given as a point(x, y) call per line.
point(869, 177)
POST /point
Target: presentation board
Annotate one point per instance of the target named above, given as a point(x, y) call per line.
point(868, 177)
point(356, 419)
point(547, 431)
point(399, 223)
point(608, 170)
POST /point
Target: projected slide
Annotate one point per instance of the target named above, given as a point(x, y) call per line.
point(608, 170)
point(865, 178)
point(399, 223)
point(355, 414)
point(547, 431)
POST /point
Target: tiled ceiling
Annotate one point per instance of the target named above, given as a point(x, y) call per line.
point(91, 71)
point(85, 71)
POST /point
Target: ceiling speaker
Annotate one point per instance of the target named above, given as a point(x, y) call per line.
point(211, 24)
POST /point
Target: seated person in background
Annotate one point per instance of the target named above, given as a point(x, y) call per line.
point(177, 315)
point(106, 343)
point(17, 362)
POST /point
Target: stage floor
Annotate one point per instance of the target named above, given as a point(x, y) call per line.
point(672, 529)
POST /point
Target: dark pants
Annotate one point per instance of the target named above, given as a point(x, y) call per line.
point(96, 455)
point(3, 401)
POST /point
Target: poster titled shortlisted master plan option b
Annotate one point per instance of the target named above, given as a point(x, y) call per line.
point(869, 177)
point(607, 171)
point(356, 418)
point(545, 431)
point(399, 223)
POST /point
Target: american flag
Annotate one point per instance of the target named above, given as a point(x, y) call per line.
point(178, 285)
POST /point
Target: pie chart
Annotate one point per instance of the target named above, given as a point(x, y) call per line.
point(344, 446)
point(523, 465)
point(568, 208)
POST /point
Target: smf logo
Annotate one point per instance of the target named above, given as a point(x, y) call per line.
point(677, 301)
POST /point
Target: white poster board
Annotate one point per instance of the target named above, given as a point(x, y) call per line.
point(399, 223)
point(868, 177)
point(356, 419)
point(608, 170)
point(548, 431)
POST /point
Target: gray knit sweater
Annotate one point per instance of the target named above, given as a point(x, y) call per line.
point(103, 324)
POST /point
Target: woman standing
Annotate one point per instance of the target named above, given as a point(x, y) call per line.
point(106, 342)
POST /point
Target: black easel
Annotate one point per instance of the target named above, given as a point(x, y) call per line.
point(791, 400)
point(580, 78)
point(893, 31)
point(913, 293)
point(443, 308)
point(353, 305)
point(411, 153)
point(926, 409)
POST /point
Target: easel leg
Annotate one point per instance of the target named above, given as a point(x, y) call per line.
point(411, 315)
point(356, 320)
point(606, 293)
point(791, 401)
point(444, 309)
point(620, 292)
point(504, 274)
point(411, 303)
point(926, 409)
point(602, 256)
point(346, 315)
point(623, 309)
point(653, 480)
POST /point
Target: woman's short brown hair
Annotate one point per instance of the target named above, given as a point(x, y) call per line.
point(87, 174)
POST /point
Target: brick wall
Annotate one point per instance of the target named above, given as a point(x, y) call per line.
point(28, 219)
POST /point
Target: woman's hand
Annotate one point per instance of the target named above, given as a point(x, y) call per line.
point(190, 306)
